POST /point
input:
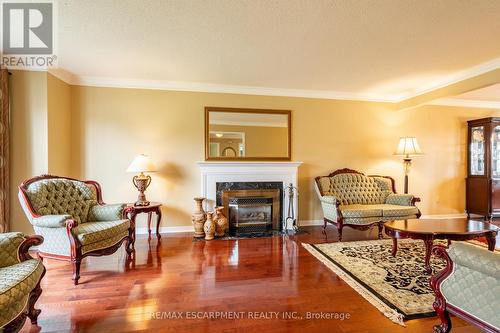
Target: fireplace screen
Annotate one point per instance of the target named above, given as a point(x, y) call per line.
point(253, 214)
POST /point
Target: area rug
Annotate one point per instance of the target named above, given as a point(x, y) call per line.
point(397, 286)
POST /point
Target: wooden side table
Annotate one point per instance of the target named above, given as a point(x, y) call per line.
point(153, 207)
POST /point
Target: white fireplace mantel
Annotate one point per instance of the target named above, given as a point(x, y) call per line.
point(216, 172)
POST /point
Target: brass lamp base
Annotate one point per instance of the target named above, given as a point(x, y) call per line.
point(141, 182)
point(407, 166)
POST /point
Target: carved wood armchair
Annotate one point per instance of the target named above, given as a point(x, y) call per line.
point(350, 198)
point(73, 219)
point(20, 277)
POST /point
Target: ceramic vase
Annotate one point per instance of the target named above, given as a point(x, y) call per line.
point(209, 227)
point(221, 222)
point(199, 217)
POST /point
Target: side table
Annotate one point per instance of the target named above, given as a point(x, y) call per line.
point(153, 207)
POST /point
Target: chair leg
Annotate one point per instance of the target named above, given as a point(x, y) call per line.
point(324, 227)
point(440, 308)
point(129, 247)
point(130, 242)
point(380, 229)
point(76, 269)
point(340, 226)
point(32, 312)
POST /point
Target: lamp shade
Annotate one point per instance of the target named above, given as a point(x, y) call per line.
point(141, 163)
point(408, 146)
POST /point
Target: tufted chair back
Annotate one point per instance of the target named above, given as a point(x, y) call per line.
point(355, 188)
point(62, 196)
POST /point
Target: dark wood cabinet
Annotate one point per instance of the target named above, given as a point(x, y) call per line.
point(483, 167)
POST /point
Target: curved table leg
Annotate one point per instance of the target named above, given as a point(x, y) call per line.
point(158, 221)
point(428, 248)
point(149, 224)
point(380, 229)
point(394, 246)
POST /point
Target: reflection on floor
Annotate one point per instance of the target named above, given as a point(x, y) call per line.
point(178, 278)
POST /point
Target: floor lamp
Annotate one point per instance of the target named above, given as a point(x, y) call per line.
point(408, 147)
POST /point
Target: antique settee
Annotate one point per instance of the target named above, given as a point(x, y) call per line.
point(20, 277)
point(73, 219)
point(350, 198)
point(469, 286)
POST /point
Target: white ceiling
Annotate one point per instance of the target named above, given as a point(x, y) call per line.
point(380, 50)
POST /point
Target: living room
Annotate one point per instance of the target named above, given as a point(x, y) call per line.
point(362, 88)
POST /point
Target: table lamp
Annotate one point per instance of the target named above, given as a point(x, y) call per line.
point(141, 164)
point(408, 147)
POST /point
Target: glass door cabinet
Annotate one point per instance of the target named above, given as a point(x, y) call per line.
point(483, 167)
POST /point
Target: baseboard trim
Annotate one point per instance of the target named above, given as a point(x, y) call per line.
point(443, 216)
point(165, 230)
point(303, 223)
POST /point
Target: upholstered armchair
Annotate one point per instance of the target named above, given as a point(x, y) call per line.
point(468, 287)
point(350, 198)
point(73, 219)
point(20, 277)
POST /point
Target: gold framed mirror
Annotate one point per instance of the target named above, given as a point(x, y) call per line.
point(233, 134)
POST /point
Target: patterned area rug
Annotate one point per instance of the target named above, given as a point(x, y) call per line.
point(397, 286)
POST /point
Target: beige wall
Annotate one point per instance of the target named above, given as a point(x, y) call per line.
point(260, 141)
point(29, 133)
point(111, 125)
point(40, 133)
point(108, 127)
point(59, 122)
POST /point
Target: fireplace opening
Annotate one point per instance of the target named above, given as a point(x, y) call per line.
point(252, 211)
point(249, 215)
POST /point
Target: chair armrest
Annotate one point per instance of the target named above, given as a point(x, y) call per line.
point(14, 247)
point(401, 199)
point(110, 212)
point(50, 221)
point(329, 200)
point(330, 206)
point(475, 258)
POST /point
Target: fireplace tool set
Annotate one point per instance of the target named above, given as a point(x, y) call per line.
point(291, 191)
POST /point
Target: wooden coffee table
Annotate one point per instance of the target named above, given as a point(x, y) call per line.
point(428, 230)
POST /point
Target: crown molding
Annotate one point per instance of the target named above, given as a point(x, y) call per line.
point(466, 103)
point(115, 82)
point(111, 82)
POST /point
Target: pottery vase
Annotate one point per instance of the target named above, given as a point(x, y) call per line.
point(221, 222)
point(209, 227)
point(199, 217)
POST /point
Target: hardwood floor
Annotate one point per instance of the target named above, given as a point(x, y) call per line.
point(181, 275)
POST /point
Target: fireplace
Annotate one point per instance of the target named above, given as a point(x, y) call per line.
point(252, 211)
point(217, 177)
